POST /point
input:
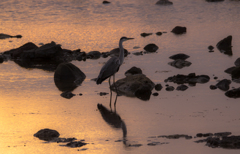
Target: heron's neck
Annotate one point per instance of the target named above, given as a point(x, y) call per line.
point(121, 55)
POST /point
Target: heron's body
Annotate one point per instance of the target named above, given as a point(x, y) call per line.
point(109, 69)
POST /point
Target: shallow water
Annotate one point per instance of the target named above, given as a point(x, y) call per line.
point(30, 101)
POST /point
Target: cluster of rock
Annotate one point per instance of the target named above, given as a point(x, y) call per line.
point(51, 135)
point(135, 84)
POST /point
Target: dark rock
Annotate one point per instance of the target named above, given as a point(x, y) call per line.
point(143, 93)
point(67, 94)
point(15, 53)
point(133, 70)
point(180, 63)
point(63, 140)
point(213, 87)
point(116, 51)
point(214, 0)
point(102, 93)
point(1, 59)
point(47, 134)
point(151, 47)
point(93, 55)
point(106, 2)
point(234, 71)
point(134, 85)
point(222, 134)
point(234, 93)
point(179, 30)
point(75, 144)
point(155, 94)
point(191, 78)
point(182, 88)
point(181, 56)
point(210, 47)
point(164, 2)
point(225, 45)
point(159, 33)
point(237, 62)
point(158, 87)
point(223, 84)
point(175, 136)
point(145, 34)
point(5, 36)
point(170, 88)
point(67, 77)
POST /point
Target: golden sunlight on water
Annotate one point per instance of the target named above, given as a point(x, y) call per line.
point(31, 101)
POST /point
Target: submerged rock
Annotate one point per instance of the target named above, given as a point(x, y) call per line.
point(176, 136)
point(223, 84)
point(164, 2)
point(225, 45)
point(134, 86)
point(179, 30)
point(5, 36)
point(67, 77)
point(75, 144)
point(151, 47)
point(47, 134)
point(145, 34)
point(182, 88)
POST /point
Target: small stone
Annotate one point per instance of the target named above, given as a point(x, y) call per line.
point(179, 30)
point(158, 87)
point(170, 88)
point(210, 47)
point(145, 34)
point(159, 33)
point(155, 94)
point(213, 87)
point(106, 2)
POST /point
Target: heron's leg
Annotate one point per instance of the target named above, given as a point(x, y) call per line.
point(116, 92)
point(109, 81)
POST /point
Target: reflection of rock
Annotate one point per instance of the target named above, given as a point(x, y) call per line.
point(176, 136)
point(225, 45)
point(151, 47)
point(223, 84)
point(133, 84)
point(179, 30)
point(67, 77)
point(234, 93)
point(180, 63)
point(112, 118)
point(67, 94)
point(47, 134)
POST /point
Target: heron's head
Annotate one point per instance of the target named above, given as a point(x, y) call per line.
point(125, 39)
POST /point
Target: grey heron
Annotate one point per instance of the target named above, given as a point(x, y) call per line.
point(112, 66)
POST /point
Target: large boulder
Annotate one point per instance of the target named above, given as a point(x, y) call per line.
point(134, 86)
point(67, 77)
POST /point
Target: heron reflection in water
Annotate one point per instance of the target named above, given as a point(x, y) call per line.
point(113, 119)
point(111, 67)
